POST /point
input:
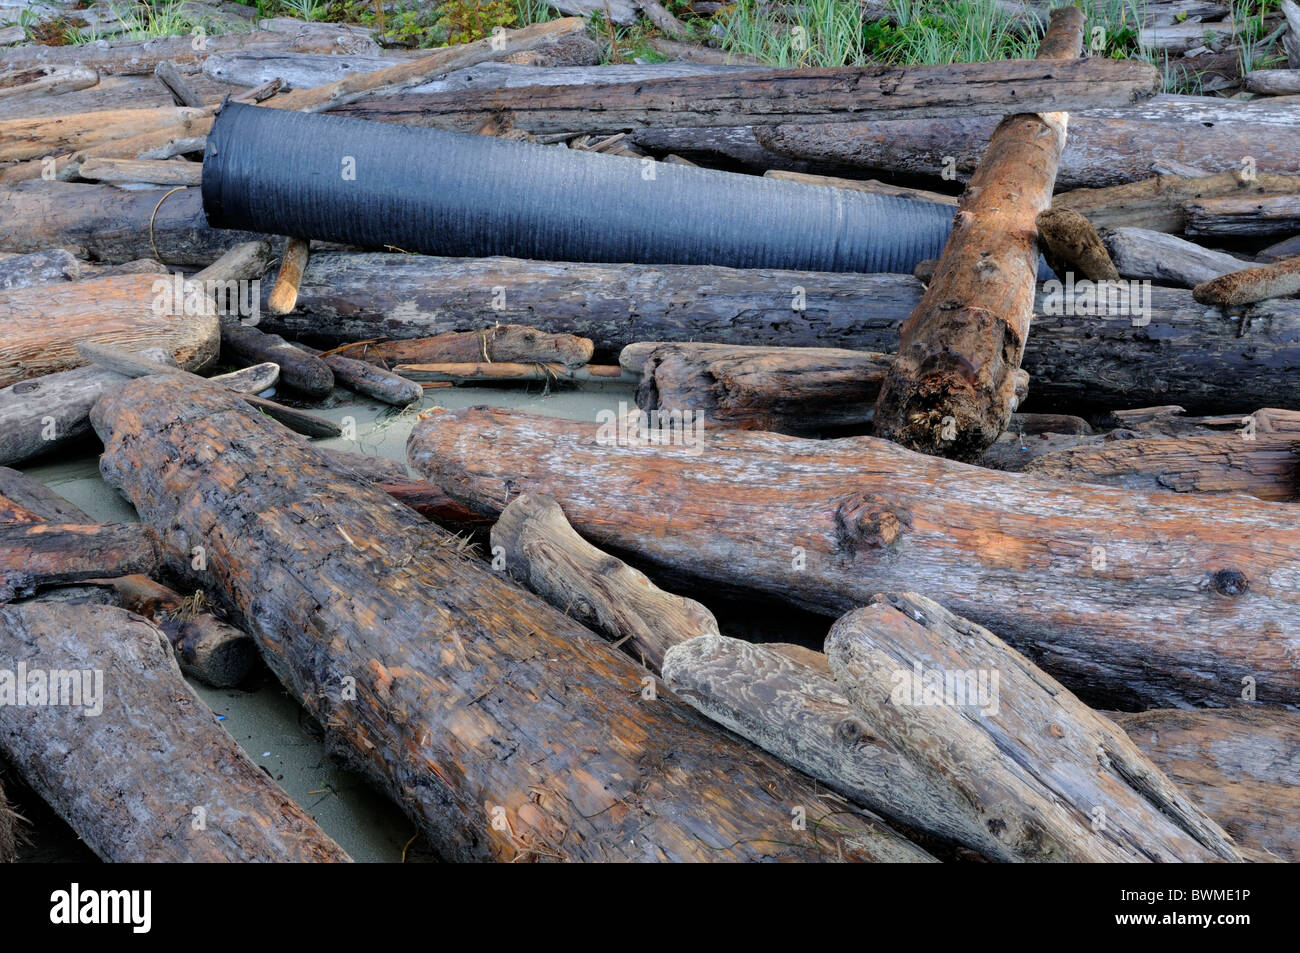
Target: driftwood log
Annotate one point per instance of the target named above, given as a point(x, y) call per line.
point(1158, 203)
point(1242, 215)
point(37, 555)
point(1146, 254)
point(1185, 353)
point(39, 268)
point(558, 759)
point(509, 343)
point(950, 388)
point(1150, 598)
point(150, 776)
point(1070, 243)
point(543, 553)
point(1276, 280)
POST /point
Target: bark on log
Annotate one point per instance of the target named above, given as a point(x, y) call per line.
point(1050, 779)
point(1106, 147)
point(1254, 216)
point(135, 780)
point(1144, 254)
point(1150, 598)
point(1277, 280)
point(559, 751)
point(1186, 353)
point(41, 327)
point(34, 555)
point(545, 555)
point(841, 94)
point(38, 268)
point(114, 225)
point(950, 388)
point(1071, 244)
point(1240, 765)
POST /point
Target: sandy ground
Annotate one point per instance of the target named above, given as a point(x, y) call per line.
point(270, 726)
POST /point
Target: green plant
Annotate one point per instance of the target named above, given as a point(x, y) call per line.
point(468, 20)
point(305, 9)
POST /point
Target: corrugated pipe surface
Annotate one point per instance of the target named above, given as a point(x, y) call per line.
point(446, 193)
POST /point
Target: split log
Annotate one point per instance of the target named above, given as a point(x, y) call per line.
point(1044, 777)
point(370, 380)
point(1274, 82)
point(152, 171)
point(1263, 465)
point(1239, 764)
point(36, 555)
point(1141, 253)
point(544, 554)
point(284, 293)
point(1157, 203)
point(174, 785)
point(46, 81)
point(1249, 285)
point(1186, 353)
point(1106, 147)
point(1145, 598)
point(41, 327)
point(950, 387)
point(840, 94)
point(38, 268)
point(1262, 215)
point(299, 369)
point(114, 225)
point(1071, 244)
point(588, 770)
point(509, 343)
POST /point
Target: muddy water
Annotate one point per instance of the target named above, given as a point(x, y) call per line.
point(270, 725)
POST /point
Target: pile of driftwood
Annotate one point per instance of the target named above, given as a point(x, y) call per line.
point(1071, 634)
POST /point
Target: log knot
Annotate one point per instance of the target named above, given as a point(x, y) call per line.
point(1230, 582)
point(864, 519)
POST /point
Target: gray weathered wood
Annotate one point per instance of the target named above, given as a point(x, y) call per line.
point(1156, 256)
point(39, 268)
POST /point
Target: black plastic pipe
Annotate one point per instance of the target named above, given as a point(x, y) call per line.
point(434, 192)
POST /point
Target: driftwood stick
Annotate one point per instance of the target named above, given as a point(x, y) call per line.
point(167, 74)
point(503, 372)
point(1142, 253)
point(293, 262)
point(299, 369)
point(544, 554)
point(370, 380)
point(950, 389)
point(506, 343)
point(1049, 778)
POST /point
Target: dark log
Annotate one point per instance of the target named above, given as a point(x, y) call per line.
point(153, 776)
point(1155, 256)
point(1185, 353)
point(369, 380)
point(1106, 146)
point(1239, 764)
point(542, 552)
point(950, 388)
point(1152, 598)
point(1287, 248)
point(34, 555)
point(1249, 216)
point(503, 728)
point(842, 94)
point(114, 225)
point(10, 830)
point(1249, 285)
point(299, 369)
point(1043, 777)
point(38, 268)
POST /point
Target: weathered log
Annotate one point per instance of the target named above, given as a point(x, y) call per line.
point(151, 171)
point(1239, 764)
point(284, 293)
point(39, 268)
point(543, 553)
point(22, 139)
point(45, 81)
point(41, 327)
point(181, 93)
point(1106, 146)
point(1274, 82)
point(393, 478)
point(1157, 203)
point(1152, 598)
point(244, 262)
point(1256, 215)
point(369, 380)
point(840, 94)
point(950, 386)
point(1178, 351)
point(583, 774)
point(1287, 248)
point(38, 499)
point(1263, 465)
point(510, 343)
point(114, 225)
point(299, 369)
point(1141, 253)
point(152, 776)
point(502, 373)
point(34, 555)
point(1043, 776)
point(1071, 244)
point(1291, 42)
point(1276, 280)
point(137, 365)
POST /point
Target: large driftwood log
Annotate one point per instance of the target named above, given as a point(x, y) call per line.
point(151, 776)
point(544, 554)
point(1152, 598)
point(1178, 352)
point(1241, 765)
point(1149, 255)
point(505, 729)
point(114, 225)
point(842, 94)
point(1049, 778)
point(40, 327)
point(1157, 203)
point(1244, 215)
point(22, 139)
point(1106, 147)
point(950, 388)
